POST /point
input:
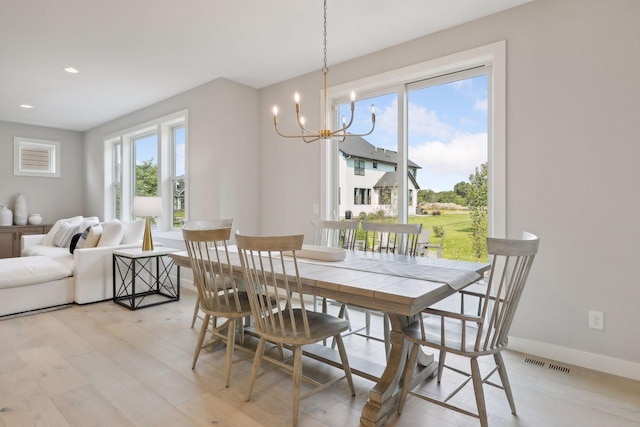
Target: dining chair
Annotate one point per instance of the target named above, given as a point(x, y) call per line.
point(426, 246)
point(195, 225)
point(335, 234)
point(219, 293)
point(471, 335)
point(388, 238)
point(278, 305)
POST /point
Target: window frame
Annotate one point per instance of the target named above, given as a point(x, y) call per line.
point(163, 126)
point(21, 144)
point(493, 55)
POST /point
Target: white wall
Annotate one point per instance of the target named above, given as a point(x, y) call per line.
point(572, 153)
point(53, 198)
point(222, 153)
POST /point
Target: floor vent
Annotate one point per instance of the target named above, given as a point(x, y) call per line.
point(547, 364)
point(534, 362)
point(559, 368)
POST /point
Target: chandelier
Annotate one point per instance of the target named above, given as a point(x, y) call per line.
point(340, 134)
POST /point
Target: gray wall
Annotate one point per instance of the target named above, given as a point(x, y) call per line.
point(572, 154)
point(53, 198)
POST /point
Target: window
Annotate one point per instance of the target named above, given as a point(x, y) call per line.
point(361, 196)
point(149, 160)
point(358, 167)
point(485, 65)
point(36, 157)
point(375, 165)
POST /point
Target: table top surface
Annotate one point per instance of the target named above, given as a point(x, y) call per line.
point(139, 253)
point(393, 283)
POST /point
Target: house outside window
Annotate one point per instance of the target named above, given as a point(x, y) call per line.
point(149, 160)
point(361, 196)
point(358, 167)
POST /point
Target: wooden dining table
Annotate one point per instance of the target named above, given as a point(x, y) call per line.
point(399, 285)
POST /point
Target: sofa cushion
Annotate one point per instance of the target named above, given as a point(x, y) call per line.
point(112, 233)
point(88, 222)
point(59, 254)
point(74, 242)
point(65, 233)
point(23, 271)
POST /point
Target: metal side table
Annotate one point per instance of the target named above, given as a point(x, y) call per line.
point(142, 278)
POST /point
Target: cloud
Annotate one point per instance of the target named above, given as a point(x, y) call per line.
point(423, 122)
point(481, 105)
point(446, 164)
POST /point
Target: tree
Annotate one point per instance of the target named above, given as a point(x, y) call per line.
point(478, 191)
point(147, 178)
point(462, 189)
point(426, 196)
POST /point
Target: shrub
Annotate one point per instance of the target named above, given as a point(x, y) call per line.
point(438, 231)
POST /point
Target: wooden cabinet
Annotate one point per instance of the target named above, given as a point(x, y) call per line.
point(11, 238)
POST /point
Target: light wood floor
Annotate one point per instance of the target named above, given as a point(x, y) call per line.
point(103, 365)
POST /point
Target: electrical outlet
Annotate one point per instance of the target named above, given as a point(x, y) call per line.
point(596, 320)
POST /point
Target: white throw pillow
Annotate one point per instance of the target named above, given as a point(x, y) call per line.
point(112, 233)
point(90, 237)
point(88, 222)
point(48, 238)
point(65, 232)
point(133, 231)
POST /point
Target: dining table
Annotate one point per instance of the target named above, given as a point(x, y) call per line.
point(401, 286)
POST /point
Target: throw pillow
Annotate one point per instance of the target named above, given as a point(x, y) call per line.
point(89, 221)
point(90, 237)
point(112, 233)
point(62, 238)
point(48, 238)
point(74, 242)
point(133, 231)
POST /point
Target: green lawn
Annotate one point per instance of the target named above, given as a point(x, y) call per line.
point(457, 225)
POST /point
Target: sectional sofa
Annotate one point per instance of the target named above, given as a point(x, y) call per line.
point(49, 274)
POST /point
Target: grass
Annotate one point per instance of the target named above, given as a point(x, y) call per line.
point(457, 226)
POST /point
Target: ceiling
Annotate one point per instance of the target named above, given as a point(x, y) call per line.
point(131, 54)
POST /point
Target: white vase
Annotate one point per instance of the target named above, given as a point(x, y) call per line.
point(20, 210)
point(35, 219)
point(6, 216)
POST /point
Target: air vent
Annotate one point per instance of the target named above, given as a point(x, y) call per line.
point(560, 368)
point(534, 362)
point(550, 365)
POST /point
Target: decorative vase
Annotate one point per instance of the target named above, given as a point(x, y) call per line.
point(6, 216)
point(35, 219)
point(20, 211)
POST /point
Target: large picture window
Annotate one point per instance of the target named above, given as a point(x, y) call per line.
point(149, 160)
point(422, 143)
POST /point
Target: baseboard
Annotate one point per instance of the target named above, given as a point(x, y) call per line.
point(597, 362)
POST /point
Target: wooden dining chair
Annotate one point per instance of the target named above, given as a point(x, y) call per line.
point(388, 238)
point(472, 335)
point(195, 225)
point(279, 311)
point(219, 293)
point(335, 234)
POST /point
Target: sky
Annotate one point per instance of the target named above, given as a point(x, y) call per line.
point(447, 129)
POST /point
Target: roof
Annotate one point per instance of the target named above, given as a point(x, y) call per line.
point(390, 179)
point(356, 146)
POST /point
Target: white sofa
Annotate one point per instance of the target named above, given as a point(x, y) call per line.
point(91, 268)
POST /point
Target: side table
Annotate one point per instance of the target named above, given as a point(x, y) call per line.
point(142, 278)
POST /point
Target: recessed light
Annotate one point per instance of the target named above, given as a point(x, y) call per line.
point(71, 70)
point(27, 106)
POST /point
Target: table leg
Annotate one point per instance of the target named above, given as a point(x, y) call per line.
point(384, 396)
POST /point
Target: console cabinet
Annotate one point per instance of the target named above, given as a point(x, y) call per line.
point(11, 238)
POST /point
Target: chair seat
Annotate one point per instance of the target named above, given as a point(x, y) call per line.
point(242, 310)
point(321, 326)
point(453, 334)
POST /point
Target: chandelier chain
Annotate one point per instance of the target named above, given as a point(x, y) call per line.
point(325, 69)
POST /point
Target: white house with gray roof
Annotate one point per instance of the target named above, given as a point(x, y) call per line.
point(369, 179)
